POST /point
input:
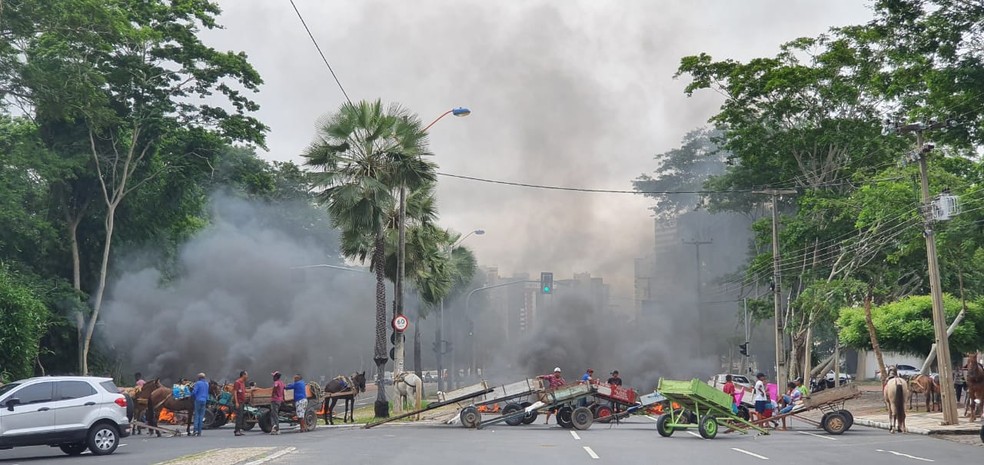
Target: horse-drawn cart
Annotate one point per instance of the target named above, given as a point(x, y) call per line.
point(259, 398)
point(460, 397)
point(702, 407)
point(835, 420)
point(563, 399)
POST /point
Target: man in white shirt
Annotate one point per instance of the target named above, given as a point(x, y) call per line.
point(761, 396)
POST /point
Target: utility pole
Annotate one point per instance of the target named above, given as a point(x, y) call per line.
point(939, 316)
point(700, 315)
point(776, 281)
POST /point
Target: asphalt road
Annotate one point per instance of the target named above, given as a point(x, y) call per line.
point(631, 442)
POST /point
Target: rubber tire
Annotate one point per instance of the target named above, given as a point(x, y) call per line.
point(686, 416)
point(311, 418)
point(581, 418)
point(531, 415)
point(249, 421)
point(208, 419)
point(564, 417)
point(743, 413)
point(74, 450)
point(98, 437)
point(510, 409)
point(130, 406)
point(604, 411)
point(708, 427)
point(661, 427)
point(835, 423)
point(849, 417)
point(265, 421)
point(221, 418)
point(470, 417)
point(982, 433)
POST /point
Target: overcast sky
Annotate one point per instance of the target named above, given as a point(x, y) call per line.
point(563, 92)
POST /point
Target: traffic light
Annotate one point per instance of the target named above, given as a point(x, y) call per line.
point(546, 282)
point(743, 348)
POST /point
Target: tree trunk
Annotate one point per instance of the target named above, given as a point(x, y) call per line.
point(953, 326)
point(101, 287)
point(417, 356)
point(73, 239)
point(873, 335)
point(379, 352)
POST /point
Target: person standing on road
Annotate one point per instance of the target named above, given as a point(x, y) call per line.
point(729, 389)
point(760, 397)
point(960, 381)
point(300, 399)
point(554, 380)
point(239, 396)
point(199, 392)
point(276, 400)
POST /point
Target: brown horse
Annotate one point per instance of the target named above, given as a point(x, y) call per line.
point(895, 392)
point(160, 396)
point(355, 383)
point(141, 398)
point(926, 386)
point(975, 386)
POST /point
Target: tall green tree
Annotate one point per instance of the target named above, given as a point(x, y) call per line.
point(125, 83)
point(24, 320)
point(364, 152)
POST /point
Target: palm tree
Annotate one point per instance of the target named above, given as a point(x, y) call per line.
point(365, 153)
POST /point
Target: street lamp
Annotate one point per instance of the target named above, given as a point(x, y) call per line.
point(440, 326)
point(398, 358)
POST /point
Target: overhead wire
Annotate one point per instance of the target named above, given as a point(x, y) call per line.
point(320, 52)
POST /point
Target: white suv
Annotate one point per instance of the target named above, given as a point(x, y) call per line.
point(74, 413)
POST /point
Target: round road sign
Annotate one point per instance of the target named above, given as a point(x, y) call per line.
point(401, 323)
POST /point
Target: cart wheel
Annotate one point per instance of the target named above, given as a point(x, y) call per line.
point(743, 413)
point(470, 417)
point(531, 416)
point(685, 416)
point(311, 418)
point(848, 417)
point(509, 411)
point(661, 427)
point(266, 421)
point(708, 427)
point(823, 419)
point(603, 411)
point(564, 417)
point(249, 421)
point(209, 419)
point(835, 423)
point(582, 418)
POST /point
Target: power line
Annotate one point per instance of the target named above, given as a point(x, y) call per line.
point(313, 40)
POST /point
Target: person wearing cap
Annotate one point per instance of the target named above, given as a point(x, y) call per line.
point(554, 380)
point(615, 379)
point(761, 396)
point(276, 400)
point(300, 399)
point(199, 392)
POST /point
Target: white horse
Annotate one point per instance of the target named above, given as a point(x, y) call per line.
point(409, 384)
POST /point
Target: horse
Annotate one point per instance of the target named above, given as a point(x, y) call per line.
point(926, 386)
point(895, 392)
point(354, 384)
point(141, 398)
point(161, 396)
point(975, 385)
point(406, 382)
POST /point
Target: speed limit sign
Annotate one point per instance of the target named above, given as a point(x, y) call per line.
point(401, 323)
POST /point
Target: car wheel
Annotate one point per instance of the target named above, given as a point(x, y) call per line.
point(74, 449)
point(103, 439)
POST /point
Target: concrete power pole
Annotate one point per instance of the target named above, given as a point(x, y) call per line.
point(700, 314)
point(939, 316)
point(776, 280)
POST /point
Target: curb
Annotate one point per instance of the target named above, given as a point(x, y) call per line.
point(915, 430)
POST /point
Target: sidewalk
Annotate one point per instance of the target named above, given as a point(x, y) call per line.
point(922, 423)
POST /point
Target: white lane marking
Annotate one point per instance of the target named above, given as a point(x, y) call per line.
point(273, 456)
point(817, 435)
point(694, 434)
point(753, 454)
point(905, 455)
point(576, 437)
point(590, 452)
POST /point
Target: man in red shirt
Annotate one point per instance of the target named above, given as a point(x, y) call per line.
point(729, 389)
point(276, 399)
point(554, 380)
point(239, 396)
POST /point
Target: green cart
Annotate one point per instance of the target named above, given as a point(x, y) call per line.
point(700, 406)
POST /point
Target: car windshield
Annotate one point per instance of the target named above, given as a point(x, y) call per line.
point(7, 387)
point(740, 380)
